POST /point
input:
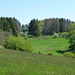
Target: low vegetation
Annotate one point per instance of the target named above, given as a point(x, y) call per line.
point(17, 43)
point(69, 54)
point(49, 44)
point(14, 62)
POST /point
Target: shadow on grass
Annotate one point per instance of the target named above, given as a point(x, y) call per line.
point(62, 52)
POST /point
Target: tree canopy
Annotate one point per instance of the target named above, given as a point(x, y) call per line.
point(10, 25)
point(72, 36)
point(34, 28)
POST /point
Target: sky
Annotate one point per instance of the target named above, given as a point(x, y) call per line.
point(26, 10)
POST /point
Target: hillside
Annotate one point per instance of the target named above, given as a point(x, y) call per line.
point(22, 63)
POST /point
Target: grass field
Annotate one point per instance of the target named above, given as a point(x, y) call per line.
point(14, 62)
point(49, 45)
point(22, 63)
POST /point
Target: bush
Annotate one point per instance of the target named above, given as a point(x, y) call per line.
point(17, 43)
point(69, 54)
point(25, 37)
point(50, 54)
point(39, 52)
point(64, 34)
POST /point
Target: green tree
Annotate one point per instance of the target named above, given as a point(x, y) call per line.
point(24, 29)
point(62, 26)
point(72, 27)
point(4, 24)
point(72, 39)
point(71, 36)
point(10, 25)
point(34, 28)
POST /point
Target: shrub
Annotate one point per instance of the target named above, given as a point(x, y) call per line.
point(50, 54)
point(69, 54)
point(39, 52)
point(17, 43)
point(1, 46)
point(64, 34)
point(25, 37)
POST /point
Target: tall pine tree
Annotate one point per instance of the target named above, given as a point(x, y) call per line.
point(34, 28)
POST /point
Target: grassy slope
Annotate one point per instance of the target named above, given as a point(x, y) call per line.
point(50, 45)
point(22, 63)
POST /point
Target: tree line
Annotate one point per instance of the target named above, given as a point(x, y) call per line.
point(48, 26)
point(57, 25)
point(10, 25)
point(35, 27)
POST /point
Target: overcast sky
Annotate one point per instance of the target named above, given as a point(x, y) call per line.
point(26, 10)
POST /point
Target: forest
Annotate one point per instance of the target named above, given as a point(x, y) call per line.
point(46, 26)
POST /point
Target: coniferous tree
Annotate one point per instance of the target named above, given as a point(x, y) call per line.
point(34, 28)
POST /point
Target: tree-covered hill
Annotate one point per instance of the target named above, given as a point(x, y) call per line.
point(54, 24)
point(48, 26)
point(10, 25)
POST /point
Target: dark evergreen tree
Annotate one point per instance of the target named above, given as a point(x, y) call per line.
point(34, 28)
point(14, 30)
point(62, 25)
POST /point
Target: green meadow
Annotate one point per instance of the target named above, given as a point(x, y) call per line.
point(38, 62)
point(14, 62)
point(49, 44)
